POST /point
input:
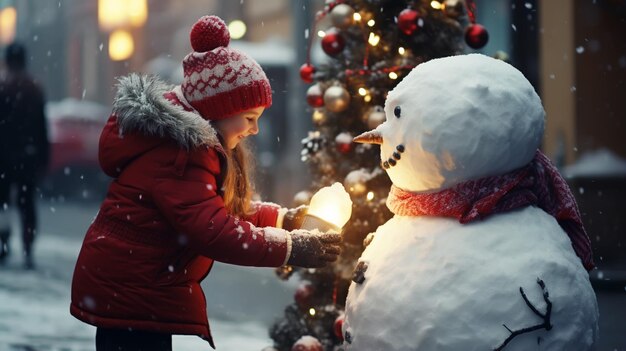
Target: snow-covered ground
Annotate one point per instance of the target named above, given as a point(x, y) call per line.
point(34, 305)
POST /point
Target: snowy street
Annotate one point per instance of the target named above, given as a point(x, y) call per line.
point(34, 305)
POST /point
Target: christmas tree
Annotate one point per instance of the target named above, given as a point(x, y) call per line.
point(373, 45)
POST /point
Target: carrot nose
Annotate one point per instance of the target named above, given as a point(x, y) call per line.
point(371, 137)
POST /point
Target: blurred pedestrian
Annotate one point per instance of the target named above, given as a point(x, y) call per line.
point(24, 149)
point(181, 198)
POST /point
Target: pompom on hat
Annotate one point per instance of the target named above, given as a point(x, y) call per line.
point(220, 81)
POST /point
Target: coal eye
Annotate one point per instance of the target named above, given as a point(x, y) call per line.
point(397, 111)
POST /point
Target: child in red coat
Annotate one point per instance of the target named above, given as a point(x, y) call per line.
point(180, 199)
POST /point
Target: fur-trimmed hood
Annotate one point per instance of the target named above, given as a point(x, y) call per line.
point(141, 106)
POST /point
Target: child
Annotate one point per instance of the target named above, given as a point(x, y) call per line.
point(180, 199)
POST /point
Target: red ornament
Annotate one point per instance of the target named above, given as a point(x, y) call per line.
point(343, 143)
point(304, 295)
point(307, 343)
point(306, 72)
point(333, 43)
point(344, 148)
point(476, 36)
point(314, 96)
point(337, 326)
point(408, 21)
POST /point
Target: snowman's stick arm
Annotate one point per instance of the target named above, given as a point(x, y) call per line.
point(546, 317)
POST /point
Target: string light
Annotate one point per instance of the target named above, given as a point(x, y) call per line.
point(362, 72)
point(371, 23)
point(401, 50)
point(373, 39)
point(356, 16)
point(312, 311)
point(370, 196)
point(362, 91)
point(393, 75)
point(367, 98)
point(436, 5)
point(321, 34)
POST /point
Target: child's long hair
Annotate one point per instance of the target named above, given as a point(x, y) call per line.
point(239, 180)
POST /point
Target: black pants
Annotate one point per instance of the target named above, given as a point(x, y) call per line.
point(132, 340)
point(25, 203)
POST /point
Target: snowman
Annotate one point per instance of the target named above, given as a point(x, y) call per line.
point(486, 250)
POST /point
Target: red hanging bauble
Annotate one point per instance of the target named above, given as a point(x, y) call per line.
point(306, 72)
point(344, 143)
point(344, 148)
point(333, 42)
point(307, 343)
point(304, 295)
point(314, 96)
point(409, 21)
point(337, 326)
point(476, 36)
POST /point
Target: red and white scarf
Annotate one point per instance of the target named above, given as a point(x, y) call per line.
point(536, 184)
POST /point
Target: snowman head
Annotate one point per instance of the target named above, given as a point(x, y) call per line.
point(456, 119)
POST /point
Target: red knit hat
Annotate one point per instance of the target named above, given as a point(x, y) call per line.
point(220, 81)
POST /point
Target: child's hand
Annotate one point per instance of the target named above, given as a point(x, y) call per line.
point(314, 250)
point(294, 217)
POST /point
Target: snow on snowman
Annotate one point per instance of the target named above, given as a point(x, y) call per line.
point(486, 249)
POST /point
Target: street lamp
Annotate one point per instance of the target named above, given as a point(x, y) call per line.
point(137, 12)
point(121, 45)
point(115, 14)
point(8, 20)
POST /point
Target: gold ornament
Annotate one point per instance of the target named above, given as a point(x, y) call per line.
point(336, 99)
point(319, 117)
point(355, 182)
point(342, 16)
point(376, 117)
point(356, 188)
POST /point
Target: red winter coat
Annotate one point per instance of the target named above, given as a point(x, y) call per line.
point(163, 221)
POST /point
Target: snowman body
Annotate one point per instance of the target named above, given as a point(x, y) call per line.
point(432, 283)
